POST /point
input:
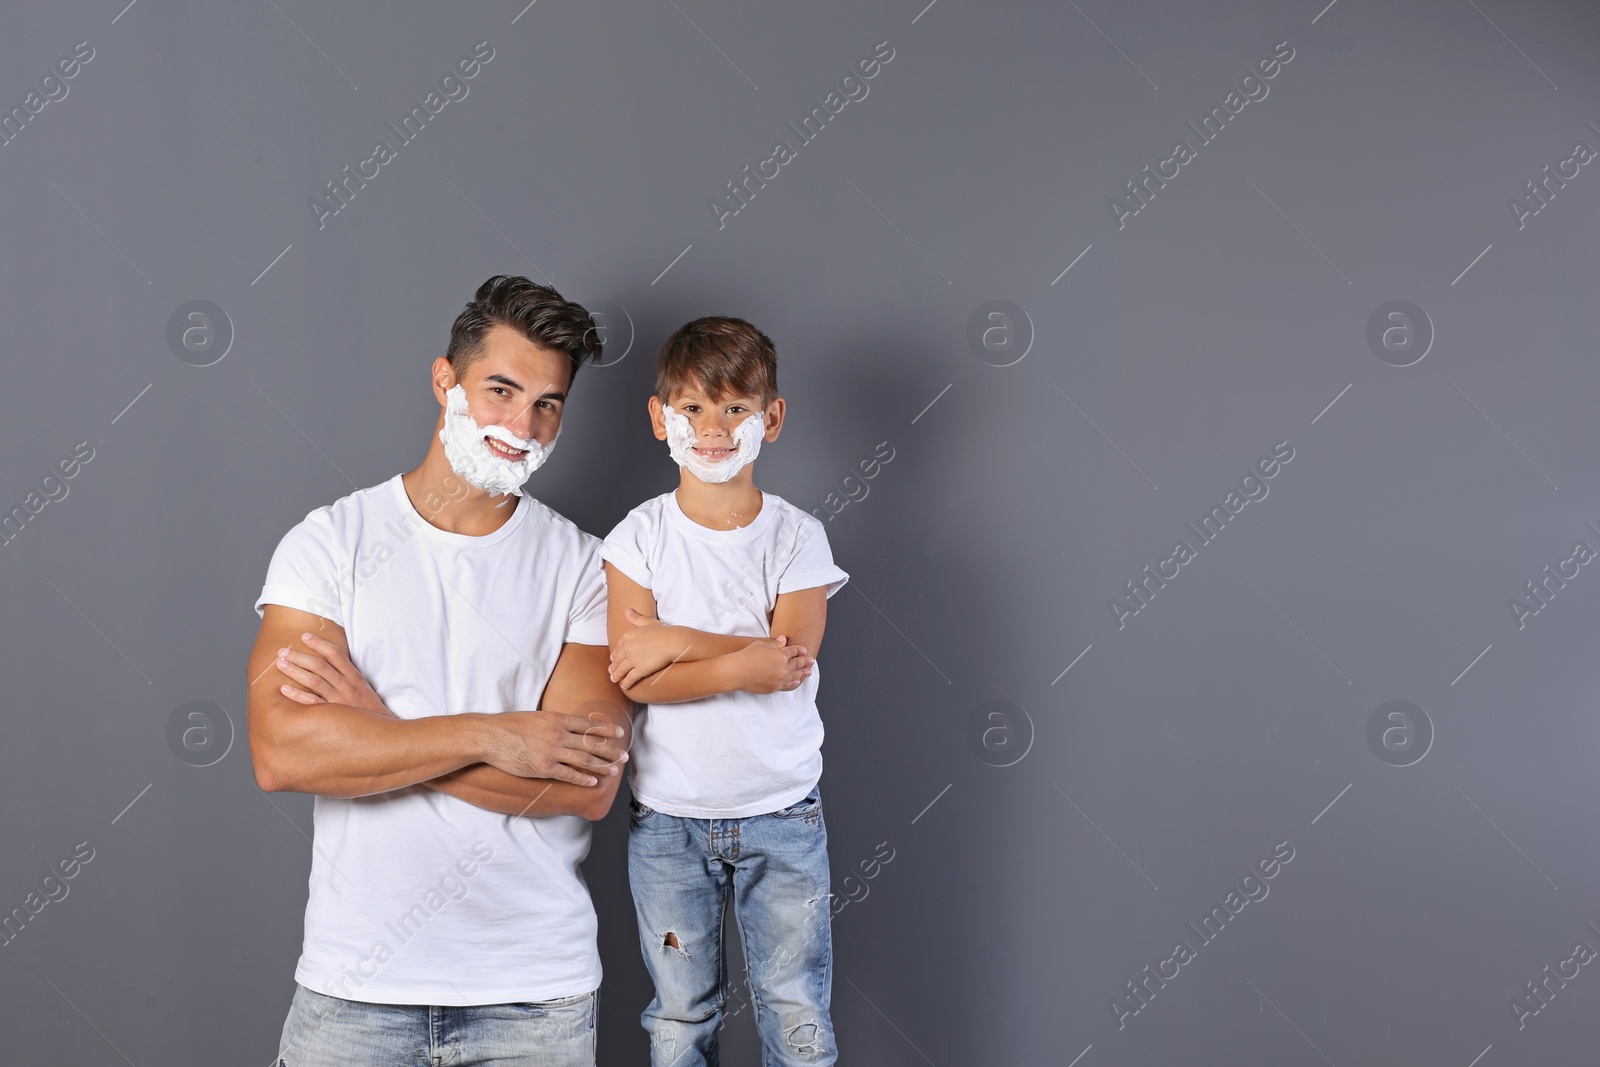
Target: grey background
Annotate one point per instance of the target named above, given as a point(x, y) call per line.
point(1227, 316)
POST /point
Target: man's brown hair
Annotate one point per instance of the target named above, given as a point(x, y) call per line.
point(723, 356)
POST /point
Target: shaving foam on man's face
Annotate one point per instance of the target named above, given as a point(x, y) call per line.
point(491, 458)
point(713, 462)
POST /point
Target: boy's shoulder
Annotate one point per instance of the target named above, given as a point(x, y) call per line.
point(644, 515)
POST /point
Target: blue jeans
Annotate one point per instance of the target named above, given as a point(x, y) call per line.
point(775, 869)
point(324, 1031)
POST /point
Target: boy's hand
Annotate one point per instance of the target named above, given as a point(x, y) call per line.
point(770, 666)
point(646, 648)
point(326, 675)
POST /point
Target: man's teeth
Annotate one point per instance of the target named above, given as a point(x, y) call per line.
point(505, 450)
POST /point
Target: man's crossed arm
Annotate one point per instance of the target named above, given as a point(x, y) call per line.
point(316, 726)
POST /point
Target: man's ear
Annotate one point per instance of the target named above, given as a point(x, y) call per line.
point(444, 379)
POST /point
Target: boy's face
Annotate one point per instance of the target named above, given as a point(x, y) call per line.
point(715, 418)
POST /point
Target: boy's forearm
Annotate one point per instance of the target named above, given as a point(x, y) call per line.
point(704, 644)
point(687, 680)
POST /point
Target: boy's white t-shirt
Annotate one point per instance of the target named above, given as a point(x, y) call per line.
point(417, 897)
point(729, 755)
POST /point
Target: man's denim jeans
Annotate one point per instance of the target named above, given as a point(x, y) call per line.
point(775, 869)
point(324, 1031)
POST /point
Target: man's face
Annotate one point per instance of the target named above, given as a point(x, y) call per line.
point(513, 383)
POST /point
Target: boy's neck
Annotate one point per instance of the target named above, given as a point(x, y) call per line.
point(725, 505)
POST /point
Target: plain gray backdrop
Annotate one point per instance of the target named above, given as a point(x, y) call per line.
point(1064, 786)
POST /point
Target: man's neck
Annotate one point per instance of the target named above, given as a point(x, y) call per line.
point(445, 500)
point(725, 505)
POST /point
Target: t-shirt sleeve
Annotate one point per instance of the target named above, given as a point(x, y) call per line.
point(625, 549)
point(586, 623)
point(812, 563)
point(304, 572)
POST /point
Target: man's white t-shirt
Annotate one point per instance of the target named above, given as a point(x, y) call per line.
point(417, 897)
point(729, 755)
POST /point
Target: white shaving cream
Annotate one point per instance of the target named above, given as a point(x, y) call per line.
point(470, 456)
point(680, 439)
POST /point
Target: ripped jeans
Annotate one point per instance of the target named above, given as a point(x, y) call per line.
point(774, 868)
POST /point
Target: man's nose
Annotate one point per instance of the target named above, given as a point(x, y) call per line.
point(522, 423)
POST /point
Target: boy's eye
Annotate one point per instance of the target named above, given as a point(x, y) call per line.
point(501, 390)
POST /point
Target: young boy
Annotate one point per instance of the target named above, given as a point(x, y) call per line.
point(717, 600)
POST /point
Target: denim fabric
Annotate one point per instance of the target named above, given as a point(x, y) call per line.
point(324, 1031)
point(774, 869)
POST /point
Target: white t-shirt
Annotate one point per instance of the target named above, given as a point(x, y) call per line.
point(418, 897)
point(729, 755)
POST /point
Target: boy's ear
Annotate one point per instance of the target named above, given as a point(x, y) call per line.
point(658, 418)
point(774, 415)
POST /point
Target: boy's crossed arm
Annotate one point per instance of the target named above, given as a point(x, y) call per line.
point(656, 663)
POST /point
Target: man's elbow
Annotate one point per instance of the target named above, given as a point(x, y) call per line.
point(274, 773)
point(598, 807)
point(268, 778)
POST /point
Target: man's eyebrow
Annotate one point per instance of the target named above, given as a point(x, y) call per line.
point(501, 379)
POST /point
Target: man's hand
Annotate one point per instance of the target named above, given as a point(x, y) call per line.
point(770, 666)
point(529, 744)
point(549, 744)
point(326, 675)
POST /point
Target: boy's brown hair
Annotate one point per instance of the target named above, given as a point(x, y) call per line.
point(721, 355)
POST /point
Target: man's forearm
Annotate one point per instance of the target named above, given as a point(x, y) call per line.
point(492, 789)
point(687, 680)
point(336, 750)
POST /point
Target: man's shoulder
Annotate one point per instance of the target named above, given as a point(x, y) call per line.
point(348, 514)
point(544, 522)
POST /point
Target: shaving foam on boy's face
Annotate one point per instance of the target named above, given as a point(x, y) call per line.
point(708, 461)
point(496, 468)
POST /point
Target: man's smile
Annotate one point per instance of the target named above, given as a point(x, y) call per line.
point(504, 451)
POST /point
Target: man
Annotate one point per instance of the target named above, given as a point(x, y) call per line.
point(447, 916)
